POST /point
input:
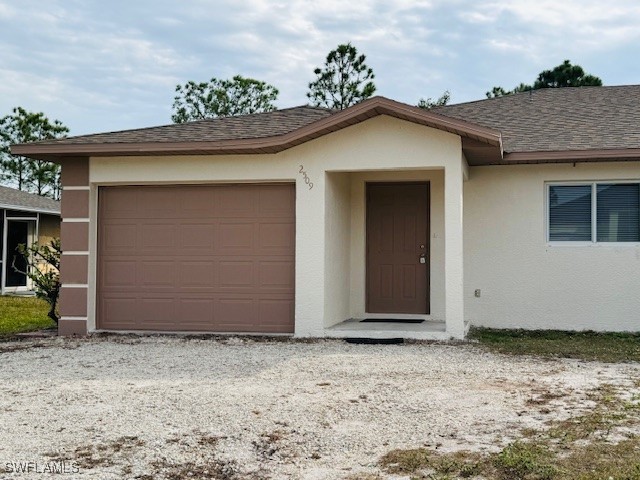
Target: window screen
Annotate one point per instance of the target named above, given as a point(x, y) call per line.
point(618, 212)
point(570, 213)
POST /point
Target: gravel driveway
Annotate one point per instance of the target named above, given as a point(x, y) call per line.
point(153, 407)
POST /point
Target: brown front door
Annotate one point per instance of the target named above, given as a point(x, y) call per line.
point(398, 248)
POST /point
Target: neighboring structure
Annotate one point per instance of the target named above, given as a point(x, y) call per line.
point(24, 218)
point(520, 211)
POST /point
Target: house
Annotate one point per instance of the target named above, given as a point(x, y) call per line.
point(24, 218)
point(520, 211)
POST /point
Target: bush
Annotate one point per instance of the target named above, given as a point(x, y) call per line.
point(43, 268)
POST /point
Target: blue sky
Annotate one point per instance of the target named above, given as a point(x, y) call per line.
point(111, 65)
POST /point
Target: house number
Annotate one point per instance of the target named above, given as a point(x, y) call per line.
point(307, 180)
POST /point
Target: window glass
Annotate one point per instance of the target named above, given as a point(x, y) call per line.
point(618, 215)
point(570, 213)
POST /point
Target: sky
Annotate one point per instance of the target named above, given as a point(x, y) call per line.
point(101, 65)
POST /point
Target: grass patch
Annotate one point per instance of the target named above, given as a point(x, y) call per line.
point(604, 347)
point(406, 461)
point(23, 314)
point(596, 445)
point(598, 461)
point(525, 460)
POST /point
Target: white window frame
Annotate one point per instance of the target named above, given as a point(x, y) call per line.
point(594, 215)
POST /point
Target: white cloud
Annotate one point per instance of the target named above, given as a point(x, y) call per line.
point(7, 11)
point(98, 65)
point(547, 25)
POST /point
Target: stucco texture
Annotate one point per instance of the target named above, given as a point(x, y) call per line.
point(524, 281)
point(48, 228)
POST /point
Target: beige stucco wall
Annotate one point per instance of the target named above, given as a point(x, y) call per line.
point(48, 228)
point(379, 144)
point(337, 252)
point(524, 281)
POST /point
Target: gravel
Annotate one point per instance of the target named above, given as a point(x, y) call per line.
point(152, 407)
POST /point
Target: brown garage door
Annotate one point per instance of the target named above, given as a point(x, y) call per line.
point(217, 258)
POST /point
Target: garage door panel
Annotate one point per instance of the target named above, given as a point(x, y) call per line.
point(197, 274)
point(158, 202)
point(123, 205)
point(230, 204)
point(154, 273)
point(237, 237)
point(276, 238)
point(221, 260)
point(275, 312)
point(196, 313)
point(117, 273)
point(276, 275)
point(197, 202)
point(157, 236)
point(236, 273)
point(119, 237)
point(157, 312)
point(196, 237)
point(233, 313)
point(277, 203)
point(121, 311)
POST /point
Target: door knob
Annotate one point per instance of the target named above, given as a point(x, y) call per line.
point(423, 258)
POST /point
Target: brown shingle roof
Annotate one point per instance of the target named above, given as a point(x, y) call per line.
point(259, 125)
point(548, 125)
point(559, 119)
point(18, 200)
point(260, 133)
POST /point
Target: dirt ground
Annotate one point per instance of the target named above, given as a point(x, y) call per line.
point(166, 407)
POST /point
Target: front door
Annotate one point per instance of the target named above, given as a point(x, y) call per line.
point(17, 233)
point(398, 248)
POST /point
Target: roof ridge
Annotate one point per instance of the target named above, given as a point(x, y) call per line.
point(23, 192)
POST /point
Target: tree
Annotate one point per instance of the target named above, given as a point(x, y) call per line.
point(497, 92)
point(43, 268)
point(429, 103)
point(222, 98)
point(564, 75)
point(344, 80)
point(36, 176)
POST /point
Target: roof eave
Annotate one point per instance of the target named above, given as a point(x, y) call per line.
point(22, 208)
point(573, 156)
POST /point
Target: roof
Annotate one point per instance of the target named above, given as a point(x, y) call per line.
point(13, 199)
point(258, 125)
point(573, 119)
point(546, 125)
point(270, 132)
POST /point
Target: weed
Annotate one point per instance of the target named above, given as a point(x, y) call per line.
point(524, 461)
point(406, 461)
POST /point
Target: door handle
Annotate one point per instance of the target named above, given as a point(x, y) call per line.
point(423, 258)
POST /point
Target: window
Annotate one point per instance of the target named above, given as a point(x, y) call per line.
point(594, 212)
